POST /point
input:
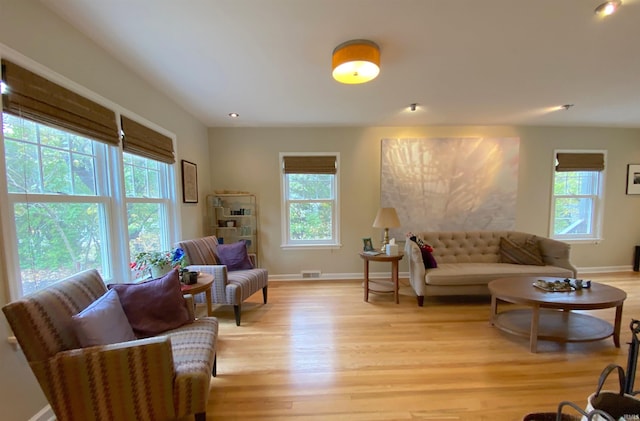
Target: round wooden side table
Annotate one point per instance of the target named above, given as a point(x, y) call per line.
point(204, 284)
point(377, 285)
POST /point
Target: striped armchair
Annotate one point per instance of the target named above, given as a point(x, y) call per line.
point(229, 287)
point(159, 378)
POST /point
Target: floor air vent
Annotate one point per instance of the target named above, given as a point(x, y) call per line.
point(306, 274)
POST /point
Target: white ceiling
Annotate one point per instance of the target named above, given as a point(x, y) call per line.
point(464, 62)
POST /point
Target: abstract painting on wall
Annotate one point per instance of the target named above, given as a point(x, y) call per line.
point(450, 184)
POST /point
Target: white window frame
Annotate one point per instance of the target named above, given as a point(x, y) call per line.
point(114, 201)
point(597, 211)
point(333, 243)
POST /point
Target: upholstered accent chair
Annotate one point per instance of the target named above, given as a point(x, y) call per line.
point(157, 378)
point(231, 287)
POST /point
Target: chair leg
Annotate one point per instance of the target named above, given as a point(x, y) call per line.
point(420, 300)
point(201, 416)
point(236, 310)
point(214, 372)
point(264, 294)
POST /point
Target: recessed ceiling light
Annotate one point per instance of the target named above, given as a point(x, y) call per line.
point(566, 106)
point(413, 106)
point(234, 115)
point(608, 8)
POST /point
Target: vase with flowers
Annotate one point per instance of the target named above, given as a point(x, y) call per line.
point(158, 263)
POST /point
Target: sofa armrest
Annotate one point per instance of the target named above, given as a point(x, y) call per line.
point(417, 271)
point(111, 380)
point(219, 272)
point(556, 253)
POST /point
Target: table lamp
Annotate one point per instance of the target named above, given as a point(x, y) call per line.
point(386, 218)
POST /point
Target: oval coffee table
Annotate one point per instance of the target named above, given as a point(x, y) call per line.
point(550, 316)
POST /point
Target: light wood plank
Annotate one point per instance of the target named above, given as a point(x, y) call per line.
point(317, 351)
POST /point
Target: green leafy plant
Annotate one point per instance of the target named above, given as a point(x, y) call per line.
point(146, 259)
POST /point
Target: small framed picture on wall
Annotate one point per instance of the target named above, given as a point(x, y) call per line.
point(633, 179)
point(189, 182)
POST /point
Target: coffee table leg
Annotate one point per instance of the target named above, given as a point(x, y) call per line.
point(533, 338)
point(616, 326)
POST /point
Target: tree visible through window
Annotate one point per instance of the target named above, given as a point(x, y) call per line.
point(310, 200)
point(54, 188)
point(577, 196)
point(60, 198)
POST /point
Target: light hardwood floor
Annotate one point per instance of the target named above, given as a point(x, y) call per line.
point(317, 351)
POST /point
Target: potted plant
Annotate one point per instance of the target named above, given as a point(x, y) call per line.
point(159, 262)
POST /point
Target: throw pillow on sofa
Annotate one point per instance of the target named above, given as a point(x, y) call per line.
point(527, 253)
point(103, 322)
point(426, 250)
point(234, 256)
point(154, 306)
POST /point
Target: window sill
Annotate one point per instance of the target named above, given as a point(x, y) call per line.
point(580, 240)
point(310, 246)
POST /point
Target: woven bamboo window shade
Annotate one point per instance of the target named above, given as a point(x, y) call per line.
point(310, 164)
point(143, 141)
point(33, 97)
point(580, 162)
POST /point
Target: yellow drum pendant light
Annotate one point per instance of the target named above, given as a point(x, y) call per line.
point(356, 61)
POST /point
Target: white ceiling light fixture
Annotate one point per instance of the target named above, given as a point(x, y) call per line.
point(413, 106)
point(608, 8)
point(356, 61)
point(234, 115)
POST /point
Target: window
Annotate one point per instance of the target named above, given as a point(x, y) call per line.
point(310, 200)
point(58, 198)
point(147, 202)
point(577, 201)
point(74, 199)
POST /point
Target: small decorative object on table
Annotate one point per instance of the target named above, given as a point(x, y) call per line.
point(564, 285)
point(189, 277)
point(368, 245)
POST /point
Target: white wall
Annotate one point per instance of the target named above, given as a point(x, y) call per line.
point(255, 168)
point(30, 29)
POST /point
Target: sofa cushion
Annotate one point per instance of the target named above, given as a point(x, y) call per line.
point(483, 273)
point(525, 253)
point(234, 256)
point(154, 306)
point(103, 322)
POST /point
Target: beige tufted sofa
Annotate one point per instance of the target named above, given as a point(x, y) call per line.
point(468, 260)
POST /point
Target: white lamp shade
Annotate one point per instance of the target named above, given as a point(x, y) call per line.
point(386, 218)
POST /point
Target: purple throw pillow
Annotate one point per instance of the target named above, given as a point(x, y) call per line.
point(103, 322)
point(425, 249)
point(154, 306)
point(428, 259)
point(234, 256)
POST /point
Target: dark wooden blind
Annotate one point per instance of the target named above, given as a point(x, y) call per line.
point(143, 141)
point(310, 164)
point(580, 162)
point(33, 97)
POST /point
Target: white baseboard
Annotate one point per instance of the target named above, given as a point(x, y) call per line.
point(605, 269)
point(386, 275)
point(335, 276)
point(45, 414)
